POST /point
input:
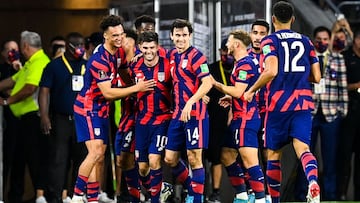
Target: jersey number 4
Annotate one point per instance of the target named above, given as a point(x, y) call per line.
point(294, 60)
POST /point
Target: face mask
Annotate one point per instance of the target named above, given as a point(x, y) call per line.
point(13, 55)
point(321, 47)
point(78, 51)
point(338, 44)
point(227, 60)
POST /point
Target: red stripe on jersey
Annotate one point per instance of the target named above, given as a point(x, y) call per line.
point(293, 97)
point(274, 99)
point(90, 127)
point(242, 132)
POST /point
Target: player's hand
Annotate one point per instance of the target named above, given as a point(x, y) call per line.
point(145, 85)
point(225, 101)
point(248, 96)
point(45, 125)
point(135, 58)
point(206, 99)
point(186, 112)
point(230, 117)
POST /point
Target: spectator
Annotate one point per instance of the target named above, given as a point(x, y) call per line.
point(61, 81)
point(23, 103)
point(221, 71)
point(331, 102)
point(349, 142)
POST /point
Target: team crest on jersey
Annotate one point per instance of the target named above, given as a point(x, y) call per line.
point(97, 131)
point(102, 74)
point(242, 75)
point(161, 76)
point(184, 63)
point(118, 62)
point(139, 76)
point(266, 49)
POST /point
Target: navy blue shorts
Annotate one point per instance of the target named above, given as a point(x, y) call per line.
point(91, 127)
point(282, 127)
point(193, 134)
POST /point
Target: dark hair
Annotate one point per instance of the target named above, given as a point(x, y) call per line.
point(95, 38)
point(148, 36)
point(321, 29)
point(143, 19)
point(283, 11)
point(241, 35)
point(356, 33)
point(3, 43)
point(73, 35)
point(110, 21)
point(261, 22)
point(58, 37)
point(131, 33)
point(181, 23)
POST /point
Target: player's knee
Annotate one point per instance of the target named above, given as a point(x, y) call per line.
point(228, 156)
point(171, 161)
point(143, 169)
point(154, 161)
point(194, 158)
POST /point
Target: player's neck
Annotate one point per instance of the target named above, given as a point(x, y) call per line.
point(240, 54)
point(111, 49)
point(152, 63)
point(285, 26)
point(182, 50)
point(256, 51)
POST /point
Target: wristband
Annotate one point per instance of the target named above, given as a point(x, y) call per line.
point(5, 102)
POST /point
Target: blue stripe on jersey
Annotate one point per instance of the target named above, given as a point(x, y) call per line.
point(290, 90)
point(187, 69)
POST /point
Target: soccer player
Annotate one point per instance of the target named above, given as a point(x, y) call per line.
point(245, 124)
point(290, 62)
point(154, 111)
point(188, 127)
point(125, 136)
point(260, 29)
point(91, 108)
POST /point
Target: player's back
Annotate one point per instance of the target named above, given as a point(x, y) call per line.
point(290, 90)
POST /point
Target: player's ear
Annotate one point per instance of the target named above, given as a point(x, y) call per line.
point(273, 19)
point(292, 19)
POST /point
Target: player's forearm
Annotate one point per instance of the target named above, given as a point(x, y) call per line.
point(118, 93)
point(264, 78)
point(204, 88)
point(229, 90)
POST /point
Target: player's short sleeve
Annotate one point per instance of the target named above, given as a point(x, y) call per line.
point(313, 58)
point(199, 65)
point(242, 73)
point(99, 69)
point(122, 59)
point(268, 46)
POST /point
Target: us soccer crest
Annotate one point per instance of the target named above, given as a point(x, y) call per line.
point(97, 131)
point(118, 62)
point(161, 76)
point(184, 63)
point(102, 74)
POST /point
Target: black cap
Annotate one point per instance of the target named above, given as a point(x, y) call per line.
point(223, 44)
